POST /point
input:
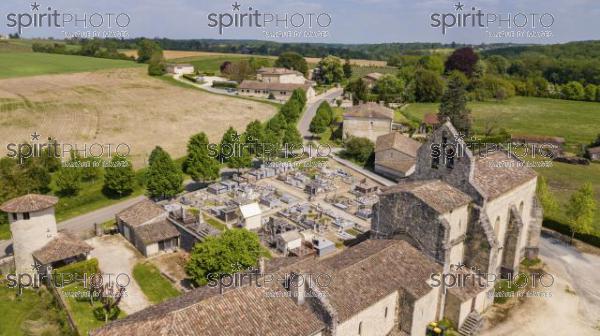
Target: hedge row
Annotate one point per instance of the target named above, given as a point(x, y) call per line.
point(566, 230)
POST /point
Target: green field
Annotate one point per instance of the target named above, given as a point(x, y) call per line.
point(155, 286)
point(577, 122)
point(212, 63)
point(19, 64)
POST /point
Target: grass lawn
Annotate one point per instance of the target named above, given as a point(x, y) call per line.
point(18, 64)
point(33, 311)
point(5, 231)
point(155, 286)
point(577, 122)
point(213, 63)
point(82, 310)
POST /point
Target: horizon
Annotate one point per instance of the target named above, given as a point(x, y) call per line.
point(346, 22)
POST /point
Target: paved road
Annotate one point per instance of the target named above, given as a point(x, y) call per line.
point(580, 269)
point(311, 110)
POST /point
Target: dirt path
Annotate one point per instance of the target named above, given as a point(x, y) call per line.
point(116, 256)
point(573, 309)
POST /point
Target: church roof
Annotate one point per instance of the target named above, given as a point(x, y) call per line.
point(439, 195)
point(29, 203)
point(359, 277)
point(369, 110)
point(500, 172)
point(399, 142)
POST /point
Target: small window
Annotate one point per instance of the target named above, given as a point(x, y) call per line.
point(450, 162)
point(26, 215)
point(386, 311)
point(14, 216)
point(360, 328)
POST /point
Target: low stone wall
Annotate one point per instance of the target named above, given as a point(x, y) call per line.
point(7, 265)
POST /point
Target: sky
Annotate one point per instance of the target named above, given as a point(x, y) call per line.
point(351, 21)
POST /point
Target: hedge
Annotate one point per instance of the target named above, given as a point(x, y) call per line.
point(190, 77)
point(566, 230)
point(223, 84)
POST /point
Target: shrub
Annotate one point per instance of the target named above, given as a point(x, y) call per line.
point(224, 84)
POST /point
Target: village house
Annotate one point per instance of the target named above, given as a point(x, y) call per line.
point(594, 153)
point(37, 244)
point(368, 120)
point(276, 83)
point(371, 78)
point(395, 155)
point(180, 69)
point(147, 227)
point(471, 209)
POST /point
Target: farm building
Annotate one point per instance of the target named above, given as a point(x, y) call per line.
point(594, 153)
point(395, 155)
point(280, 75)
point(429, 123)
point(369, 120)
point(146, 226)
point(180, 69)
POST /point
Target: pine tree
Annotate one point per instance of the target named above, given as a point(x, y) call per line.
point(163, 178)
point(454, 104)
point(199, 164)
point(119, 177)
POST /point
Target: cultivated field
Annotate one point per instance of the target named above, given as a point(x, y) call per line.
point(118, 106)
point(18, 64)
point(175, 54)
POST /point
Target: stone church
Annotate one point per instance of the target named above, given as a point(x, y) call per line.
point(464, 207)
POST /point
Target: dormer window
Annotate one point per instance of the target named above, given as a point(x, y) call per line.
point(26, 215)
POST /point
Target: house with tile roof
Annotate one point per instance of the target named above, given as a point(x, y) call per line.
point(395, 155)
point(462, 207)
point(367, 120)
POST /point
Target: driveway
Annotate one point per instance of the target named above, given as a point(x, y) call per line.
point(311, 110)
point(573, 308)
point(116, 256)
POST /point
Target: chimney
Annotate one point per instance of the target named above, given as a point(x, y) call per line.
point(297, 285)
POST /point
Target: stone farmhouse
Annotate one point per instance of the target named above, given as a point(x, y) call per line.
point(594, 153)
point(371, 78)
point(473, 209)
point(277, 83)
point(368, 120)
point(38, 246)
point(395, 155)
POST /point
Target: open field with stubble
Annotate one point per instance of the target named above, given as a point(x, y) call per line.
point(118, 106)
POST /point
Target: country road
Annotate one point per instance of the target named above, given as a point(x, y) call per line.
point(311, 110)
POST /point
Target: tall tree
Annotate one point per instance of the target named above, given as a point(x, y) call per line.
point(292, 60)
point(454, 104)
point(359, 90)
point(547, 199)
point(163, 177)
point(428, 86)
point(199, 164)
point(119, 177)
point(292, 138)
point(463, 60)
point(300, 96)
point(233, 251)
point(147, 49)
point(347, 69)
point(68, 180)
point(389, 88)
point(255, 136)
point(581, 210)
point(329, 70)
point(157, 66)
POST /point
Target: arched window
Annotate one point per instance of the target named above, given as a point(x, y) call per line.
point(360, 328)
